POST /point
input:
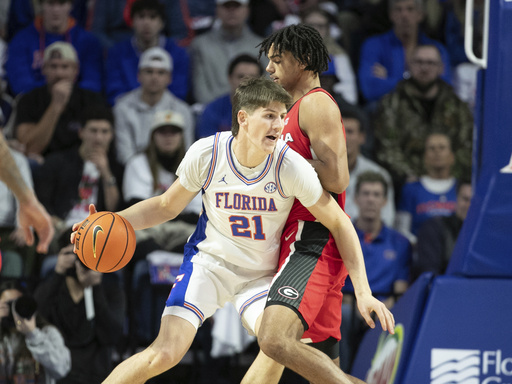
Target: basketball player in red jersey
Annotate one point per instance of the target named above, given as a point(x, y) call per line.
point(304, 301)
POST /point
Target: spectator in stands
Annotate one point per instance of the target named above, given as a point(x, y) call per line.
point(355, 123)
point(212, 51)
point(216, 116)
point(384, 58)
point(108, 22)
point(148, 17)
point(31, 349)
point(134, 112)
point(150, 174)
point(185, 19)
point(434, 194)
point(85, 174)
point(267, 16)
point(21, 14)
point(16, 256)
point(387, 257)
point(417, 107)
point(26, 49)
point(47, 118)
point(361, 19)
point(437, 236)
point(88, 308)
point(340, 63)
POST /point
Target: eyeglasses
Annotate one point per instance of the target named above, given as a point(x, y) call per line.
point(427, 63)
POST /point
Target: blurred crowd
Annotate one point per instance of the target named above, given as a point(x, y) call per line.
point(100, 99)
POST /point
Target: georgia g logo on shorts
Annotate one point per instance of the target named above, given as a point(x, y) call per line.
point(288, 292)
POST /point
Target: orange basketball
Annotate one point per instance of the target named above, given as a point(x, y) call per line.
point(105, 242)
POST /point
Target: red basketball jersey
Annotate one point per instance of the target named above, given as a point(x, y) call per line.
point(299, 142)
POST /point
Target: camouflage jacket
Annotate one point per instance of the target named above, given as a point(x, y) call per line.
point(402, 124)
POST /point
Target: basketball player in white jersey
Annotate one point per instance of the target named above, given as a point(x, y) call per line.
point(248, 179)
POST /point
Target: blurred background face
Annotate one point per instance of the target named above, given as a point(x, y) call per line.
point(319, 22)
point(154, 80)
point(242, 71)
point(147, 25)
point(370, 199)
point(405, 16)
point(355, 138)
point(168, 139)
point(426, 65)
point(55, 70)
point(232, 14)
point(463, 201)
point(96, 134)
point(438, 152)
point(55, 14)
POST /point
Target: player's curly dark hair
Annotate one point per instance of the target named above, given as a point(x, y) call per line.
point(303, 42)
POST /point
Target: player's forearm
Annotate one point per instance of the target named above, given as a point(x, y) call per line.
point(352, 255)
point(10, 174)
point(148, 213)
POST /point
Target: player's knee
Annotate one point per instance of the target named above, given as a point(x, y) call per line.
point(272, 346)
point(163, 358)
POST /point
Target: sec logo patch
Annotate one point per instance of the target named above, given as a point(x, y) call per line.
point(270, 187)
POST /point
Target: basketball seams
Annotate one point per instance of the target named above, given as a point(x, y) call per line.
point(106, 239)
point(126, 242)
point(89, 226)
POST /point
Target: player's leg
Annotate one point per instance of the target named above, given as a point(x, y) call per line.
point(173, 341)
point(263, 369)
point(279, 338)
point(193, 298)
point(296, 298)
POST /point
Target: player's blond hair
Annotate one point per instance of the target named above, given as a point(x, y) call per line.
point(256, 93)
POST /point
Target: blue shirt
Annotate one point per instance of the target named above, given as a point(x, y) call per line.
point(423, 204)
point(25, 58)
point(216, 117)
point(387, 259)
point(122, 66)
point(388, 51)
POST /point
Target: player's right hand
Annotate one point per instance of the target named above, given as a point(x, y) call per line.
point(74, 228)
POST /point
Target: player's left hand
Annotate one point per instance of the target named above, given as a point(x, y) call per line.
point(368, 304)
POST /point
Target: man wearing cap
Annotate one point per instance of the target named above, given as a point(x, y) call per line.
point(212, 51)
point(48, 117)
point(135, 110)
point(26, 49)
point(148, 21)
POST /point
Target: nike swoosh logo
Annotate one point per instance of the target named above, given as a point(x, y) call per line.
point(290, 235)
point(95, 232)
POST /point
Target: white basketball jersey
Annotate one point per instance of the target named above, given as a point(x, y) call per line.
point(245, 209)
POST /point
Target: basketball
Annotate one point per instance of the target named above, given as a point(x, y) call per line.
point(105, 242)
